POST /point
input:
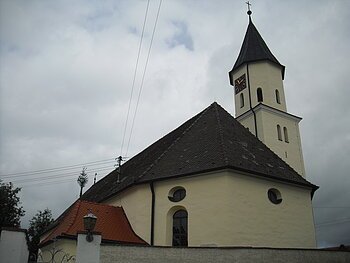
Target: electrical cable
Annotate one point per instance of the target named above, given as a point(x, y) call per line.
point(333, 222)
point(61, 168)
point(54, 176)
point(133, 81)
point(143, 76)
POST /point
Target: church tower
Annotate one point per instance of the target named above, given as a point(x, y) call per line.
point(260, 105)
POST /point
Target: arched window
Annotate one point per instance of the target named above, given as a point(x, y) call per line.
point(180, 219)
point(242, 100)
point(259, 95)
point(277, 96)
point(285, 134)
point(279, 133)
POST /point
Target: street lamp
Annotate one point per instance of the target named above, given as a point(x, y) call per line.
point(89, 225)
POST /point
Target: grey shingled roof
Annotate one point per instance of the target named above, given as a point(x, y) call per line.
point(211, 140)
point(254, 49)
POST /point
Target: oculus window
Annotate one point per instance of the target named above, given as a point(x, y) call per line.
point(180, 222)
point(274, 196)
point(177, 194)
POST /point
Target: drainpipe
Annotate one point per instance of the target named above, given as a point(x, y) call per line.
point(152, 213)
point(250, 103)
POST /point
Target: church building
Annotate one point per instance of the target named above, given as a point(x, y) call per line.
point(222, 181)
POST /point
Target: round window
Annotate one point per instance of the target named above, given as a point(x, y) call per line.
point(177, 194)
point(274, 196)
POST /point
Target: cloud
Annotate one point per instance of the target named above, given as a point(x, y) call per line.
point(66, 70)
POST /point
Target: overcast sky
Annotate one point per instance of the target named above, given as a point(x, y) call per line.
point(66, 71)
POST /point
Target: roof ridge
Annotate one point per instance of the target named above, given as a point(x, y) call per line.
point(176, 140)
point(100, 204)
point(221, 135)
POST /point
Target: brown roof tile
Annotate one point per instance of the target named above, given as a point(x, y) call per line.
point(112, 223)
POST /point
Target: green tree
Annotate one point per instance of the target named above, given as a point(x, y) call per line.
point(82, 180)
point(37, 225)
point(10, 209)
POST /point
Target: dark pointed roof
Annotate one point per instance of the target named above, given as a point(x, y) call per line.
point(254, 49)
point(211, 140)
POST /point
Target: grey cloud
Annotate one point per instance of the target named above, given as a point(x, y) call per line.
point(66, 70)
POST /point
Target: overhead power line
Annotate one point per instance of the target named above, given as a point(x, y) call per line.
point(56, 169)
point(143, 75)
point(327, 207)
point(333, 222)
point(134, 78)
point(53, 176)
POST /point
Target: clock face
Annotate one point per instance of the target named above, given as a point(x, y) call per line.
point(240, 84)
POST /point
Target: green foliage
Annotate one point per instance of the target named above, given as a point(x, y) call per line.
point(10, 209)
point(82, 180)
point(37, 225)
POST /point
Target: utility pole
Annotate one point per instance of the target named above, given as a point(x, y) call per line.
point(119, 164)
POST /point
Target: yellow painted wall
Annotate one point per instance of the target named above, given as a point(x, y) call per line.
point(229, 209)
point(290, 152)
point(61, 248)
point(224, 209)
point(136, 202)
point(268, 77)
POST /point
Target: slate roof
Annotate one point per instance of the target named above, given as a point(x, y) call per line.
point(254, 49)
point(111, 222)
point(211, 140)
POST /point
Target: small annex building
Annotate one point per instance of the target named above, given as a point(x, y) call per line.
point(61, 236)
point(217, 180)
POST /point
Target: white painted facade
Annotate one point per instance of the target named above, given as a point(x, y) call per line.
point(262, 120)
point(224, 208)
point(13, 246)
point(88, 252)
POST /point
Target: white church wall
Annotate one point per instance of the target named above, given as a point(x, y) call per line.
point(224, 209)
point(238, 109)
point(290, 152)
point(136, 202)
point(229, 209)
point(127, 254)
point(268, 77)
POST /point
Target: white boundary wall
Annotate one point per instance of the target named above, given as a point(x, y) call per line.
point(128, 254)
point(13, 246)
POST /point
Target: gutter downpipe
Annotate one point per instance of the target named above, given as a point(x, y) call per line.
point(152, 213)
point(250, 104)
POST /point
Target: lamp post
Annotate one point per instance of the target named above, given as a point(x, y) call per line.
point(89, 225)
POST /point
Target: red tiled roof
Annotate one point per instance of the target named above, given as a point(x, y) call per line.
point(112, 223)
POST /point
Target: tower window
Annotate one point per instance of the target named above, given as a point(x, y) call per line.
point(285, 131)
point(242, 100)
point(277, 96)
point(180, 221)
point(259, 94)
point(279, 133)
